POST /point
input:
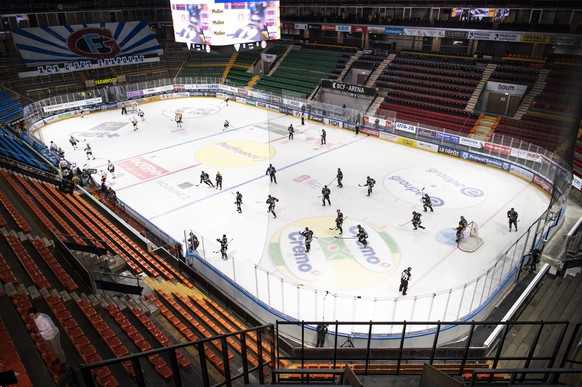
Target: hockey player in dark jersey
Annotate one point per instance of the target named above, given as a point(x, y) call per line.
point(223, 246)
point(512, 217)
point(362, 235)
point(370, 184)
point(339, 177)
point(426, 202)
point(291, 130)
point(204, 178)
point(404, 278)
point(218, 180)
point(238, 201)
point(271, 200)
point(339, 221)
point(271, 171)
point(325, 192)
point(308, 234)
point(416, 222)
point(460, 228)
point(323, 137)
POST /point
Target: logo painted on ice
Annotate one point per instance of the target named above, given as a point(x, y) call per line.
point(334, 260)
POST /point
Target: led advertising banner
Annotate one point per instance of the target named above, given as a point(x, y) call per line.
point(221, 23)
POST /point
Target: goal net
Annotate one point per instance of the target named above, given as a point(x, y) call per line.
point(470, 240)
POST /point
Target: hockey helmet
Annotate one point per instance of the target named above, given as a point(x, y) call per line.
point(409, 269)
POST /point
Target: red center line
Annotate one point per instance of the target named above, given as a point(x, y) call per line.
point(157, 177)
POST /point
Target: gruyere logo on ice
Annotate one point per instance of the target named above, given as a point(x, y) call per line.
point(235, 153)
point(334, 258)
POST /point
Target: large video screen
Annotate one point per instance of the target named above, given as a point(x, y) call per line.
point(220, 22)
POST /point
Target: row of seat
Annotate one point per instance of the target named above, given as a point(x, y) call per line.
point(547, 140)
point(12, 147)
point(527, 124)
point(140, 342)
point(425, 97)
point(159, 336)
point(432, 91)
point(422, 115)
point(430, 77)
point(23, 304)
point(9, 358)
point(437, 63)
point(106, 333)
point(64, 278)
point(14, 214)
point(220, 323)
point(385, 80)
point(469, 75)
point(27, 262)
point(448, 113)
point(214, 359)
point(426, 122)
point(6, 273)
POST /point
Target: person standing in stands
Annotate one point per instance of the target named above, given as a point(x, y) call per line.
point(50, 333)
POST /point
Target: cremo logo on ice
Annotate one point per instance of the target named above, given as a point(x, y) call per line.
point(335, 263)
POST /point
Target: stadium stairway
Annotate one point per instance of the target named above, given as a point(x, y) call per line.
point(229, 64)
point(477, 92)
point(252, 82)
point(282, 57)
point(379, 70)
point(536, 89)
point(484, 127)
point(353, 58)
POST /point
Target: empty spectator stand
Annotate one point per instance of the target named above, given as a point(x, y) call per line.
point(10, 108)
point(205, 68)
point(430, 88)
point(239, 72)
point(13, 149)
point(301, 70)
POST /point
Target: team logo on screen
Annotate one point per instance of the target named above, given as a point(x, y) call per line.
point(334, 261)
point(94, 43)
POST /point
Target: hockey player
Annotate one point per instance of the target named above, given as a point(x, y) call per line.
point(362, 235)
point(404, 278)
point(194, 243)
point(291, 130)
point(223, 246)
point(204, 178)
point(512, 217)
point(89, 152)
point(416, 222)
point(226, 99)
point(271, 200)
point(370, 184)
point(141, 115)
point(308, 234)
point(325, 192)
point(178, 119)
point(134, 123)
point(103, 180)
point(460, 228)
point(226, 125)
point(111, 168)
point(339, 221)
point(271, 171)
point(218, 180)
point(256, 29)
point(133, 107)
point(73, 142)
point(323, 137)
point(238, 201)
point(426, 202)
point(302, 118)
point(194, 32)
point(339, 177)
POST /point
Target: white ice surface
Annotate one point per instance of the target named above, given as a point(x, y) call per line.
point(158, 169)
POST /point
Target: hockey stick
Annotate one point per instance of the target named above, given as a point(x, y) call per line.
point(359, 185)
point(332, 181)
point(404, 224)
point(339, 237)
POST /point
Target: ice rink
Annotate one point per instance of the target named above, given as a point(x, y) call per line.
point(158, 171)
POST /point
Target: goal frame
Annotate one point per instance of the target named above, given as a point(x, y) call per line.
point(470, 240)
